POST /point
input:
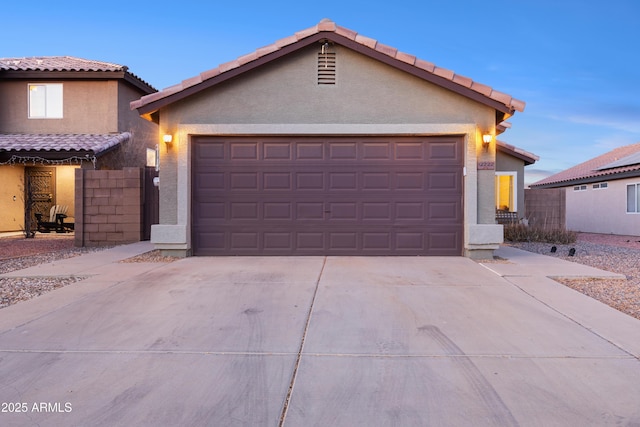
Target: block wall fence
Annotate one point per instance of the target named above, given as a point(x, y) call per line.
point(108, 206)
point(546, 208)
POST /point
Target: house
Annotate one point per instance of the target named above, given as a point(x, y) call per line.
point(509, 181)
point(601, 195)
point(58, 114)
point(328, 142)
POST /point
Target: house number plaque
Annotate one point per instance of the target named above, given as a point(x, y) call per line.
point(486, 166)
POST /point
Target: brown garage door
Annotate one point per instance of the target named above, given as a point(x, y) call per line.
point(327, 196)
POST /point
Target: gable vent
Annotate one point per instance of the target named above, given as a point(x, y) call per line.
point(326, 67)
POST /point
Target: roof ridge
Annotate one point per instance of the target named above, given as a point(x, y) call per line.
point(327, 25)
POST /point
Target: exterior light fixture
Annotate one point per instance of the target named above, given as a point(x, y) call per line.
point(167, 138)
point(486, 139)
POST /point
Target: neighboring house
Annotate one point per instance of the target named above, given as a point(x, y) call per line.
point(602, 195)
point(509, 185)
point(58, 114)
point(328, 142)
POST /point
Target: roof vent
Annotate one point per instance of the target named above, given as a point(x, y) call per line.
point(326, 66)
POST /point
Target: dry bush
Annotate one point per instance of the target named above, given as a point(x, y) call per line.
point(524, 233)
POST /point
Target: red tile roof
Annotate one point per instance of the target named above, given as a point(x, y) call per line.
point(95, 143)
point(68, 63)
point(328, 29)
point(596, 169)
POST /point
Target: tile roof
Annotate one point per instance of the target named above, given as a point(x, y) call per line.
point(68, 63)
point(512, 150)
point(602, 167)
point(95, 143)
point(329, 28)
point(57, 63)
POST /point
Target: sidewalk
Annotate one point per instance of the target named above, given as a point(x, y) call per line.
point(534, 273)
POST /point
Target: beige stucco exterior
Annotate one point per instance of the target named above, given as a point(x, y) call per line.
point(283, 98)
point(602, 210)
point(81, 111)
point(90, 106)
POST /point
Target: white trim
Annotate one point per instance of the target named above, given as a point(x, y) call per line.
point(329, 129)
point(514, 188)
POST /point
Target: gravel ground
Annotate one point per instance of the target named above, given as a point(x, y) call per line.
point(618, 254)
point(17, 253)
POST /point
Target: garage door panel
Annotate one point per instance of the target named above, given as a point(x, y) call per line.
point(244, 151)
point(329, 195)
point(376, 151)
point(376, 181)
point(342, 151)
point(309, 181)
point(444, 151)
point(340, 181)
point(277, 151)
point(310, 151)
point(277, 181)
point(443, 181)
point(243, 181)
point(278, 241)
point(342, 211)
point(310, 210)
point(277, 211)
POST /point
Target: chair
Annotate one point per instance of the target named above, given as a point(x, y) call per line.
point(57, 214)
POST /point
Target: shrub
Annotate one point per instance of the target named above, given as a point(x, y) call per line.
point(523, 233)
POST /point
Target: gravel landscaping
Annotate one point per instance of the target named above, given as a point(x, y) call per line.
point(17, 253)
point(618, 254)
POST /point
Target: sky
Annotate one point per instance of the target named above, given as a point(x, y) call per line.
point(576, 64)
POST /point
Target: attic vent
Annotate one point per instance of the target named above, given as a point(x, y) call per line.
point(326, 66)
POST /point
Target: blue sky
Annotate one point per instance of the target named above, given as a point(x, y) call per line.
point(575, 63)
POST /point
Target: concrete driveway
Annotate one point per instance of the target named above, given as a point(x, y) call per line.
point(313, 341)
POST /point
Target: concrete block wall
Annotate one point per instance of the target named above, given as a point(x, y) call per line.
point(108, 206)
point(546, 208)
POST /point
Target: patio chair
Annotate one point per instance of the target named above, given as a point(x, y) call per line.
point(57, 214)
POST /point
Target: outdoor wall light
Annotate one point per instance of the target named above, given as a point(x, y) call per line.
point(486, 139)
point(167, 138)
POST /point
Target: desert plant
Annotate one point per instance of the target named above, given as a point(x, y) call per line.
point(523, 233)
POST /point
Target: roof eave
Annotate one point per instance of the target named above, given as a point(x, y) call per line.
point(588, 180)
point(147, 110)
point(79, 75)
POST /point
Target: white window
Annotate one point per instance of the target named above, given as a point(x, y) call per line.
point(600, 186)
point(580, 188)
point(45, 100)
point(633, 198)
point(506, 191)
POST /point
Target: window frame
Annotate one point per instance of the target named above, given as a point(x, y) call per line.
point(52, 102)
point(636, 201)
point(514, 189)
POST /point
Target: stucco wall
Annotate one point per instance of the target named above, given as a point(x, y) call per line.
point(88, 107)
point(602, 210)
point(65, 179)
point(12, 210)
point(283, 97)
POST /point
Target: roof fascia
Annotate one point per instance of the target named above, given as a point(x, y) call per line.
point(526, 159)
point(502, 111)
point(77, 75)
point(590, 180)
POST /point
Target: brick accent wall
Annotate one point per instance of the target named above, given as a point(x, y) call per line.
point(546, 208)
point(108, 206)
